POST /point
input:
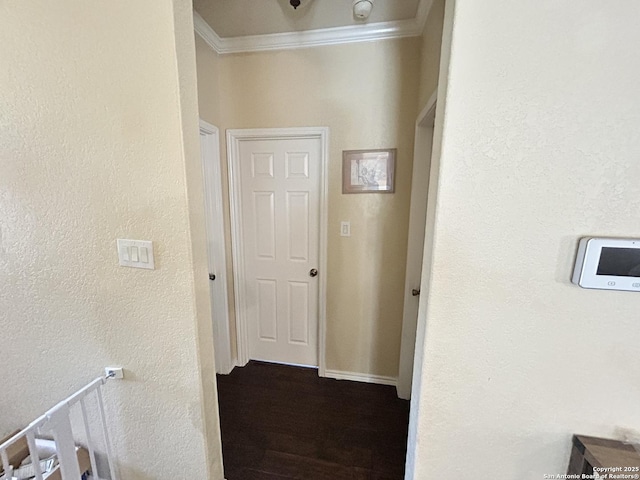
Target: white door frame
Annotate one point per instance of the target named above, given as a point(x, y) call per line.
point(215, 247)
point(234, 138)
point(423, 144)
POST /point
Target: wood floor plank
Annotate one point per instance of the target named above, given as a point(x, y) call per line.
point(252, 474)
point(280, 422)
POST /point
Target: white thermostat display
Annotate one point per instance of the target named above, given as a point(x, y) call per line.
point(608, 264)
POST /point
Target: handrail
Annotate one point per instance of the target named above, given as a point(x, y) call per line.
point(57, 421)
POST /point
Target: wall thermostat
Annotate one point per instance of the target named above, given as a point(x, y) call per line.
point(608, 264)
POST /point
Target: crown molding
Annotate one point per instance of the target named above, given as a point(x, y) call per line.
point(314, 38)
point(207, 33)
point(325, 36)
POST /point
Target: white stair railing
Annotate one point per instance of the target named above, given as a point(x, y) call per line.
point(56, 422)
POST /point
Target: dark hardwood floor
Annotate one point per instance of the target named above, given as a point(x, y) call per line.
point(280, 422)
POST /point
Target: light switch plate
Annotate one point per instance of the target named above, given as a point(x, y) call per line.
point(135, 253)
point(345, 229)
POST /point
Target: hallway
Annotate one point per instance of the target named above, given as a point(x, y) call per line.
point(280, 422)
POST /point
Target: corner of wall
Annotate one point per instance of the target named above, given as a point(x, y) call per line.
point(187, 80)
point(413, 467)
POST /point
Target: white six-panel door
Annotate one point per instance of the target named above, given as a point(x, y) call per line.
point(280, 185)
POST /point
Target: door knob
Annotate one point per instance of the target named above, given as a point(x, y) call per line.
point(313, 272)
point(415, 292)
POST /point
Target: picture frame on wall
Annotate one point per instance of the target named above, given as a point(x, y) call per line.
point(368, 171)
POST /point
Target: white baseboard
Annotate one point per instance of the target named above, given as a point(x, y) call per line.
point(361, 377)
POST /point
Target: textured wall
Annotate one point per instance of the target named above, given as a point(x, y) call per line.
point(91, 149)
point(539, 148)
point(366, 94)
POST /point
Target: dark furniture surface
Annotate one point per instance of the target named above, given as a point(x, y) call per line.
point(588, 453)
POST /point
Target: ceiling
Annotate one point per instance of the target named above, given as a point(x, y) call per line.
point(238, 18)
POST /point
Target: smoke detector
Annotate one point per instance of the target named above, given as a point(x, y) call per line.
point(362, 8)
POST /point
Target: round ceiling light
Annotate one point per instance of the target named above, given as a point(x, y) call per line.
point(362, 8)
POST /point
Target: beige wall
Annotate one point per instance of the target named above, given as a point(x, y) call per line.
point(539, 148)
point(430, 52)
point(99, 141)
point(366, 94)
point(208, 69)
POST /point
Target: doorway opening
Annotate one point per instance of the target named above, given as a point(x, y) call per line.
point(279, 435)
point(422, 152)
point(261, 162)
point(216, 251)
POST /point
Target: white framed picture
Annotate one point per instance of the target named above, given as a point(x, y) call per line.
point(368, 171)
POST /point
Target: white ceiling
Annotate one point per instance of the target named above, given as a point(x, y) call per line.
point(236, 18)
